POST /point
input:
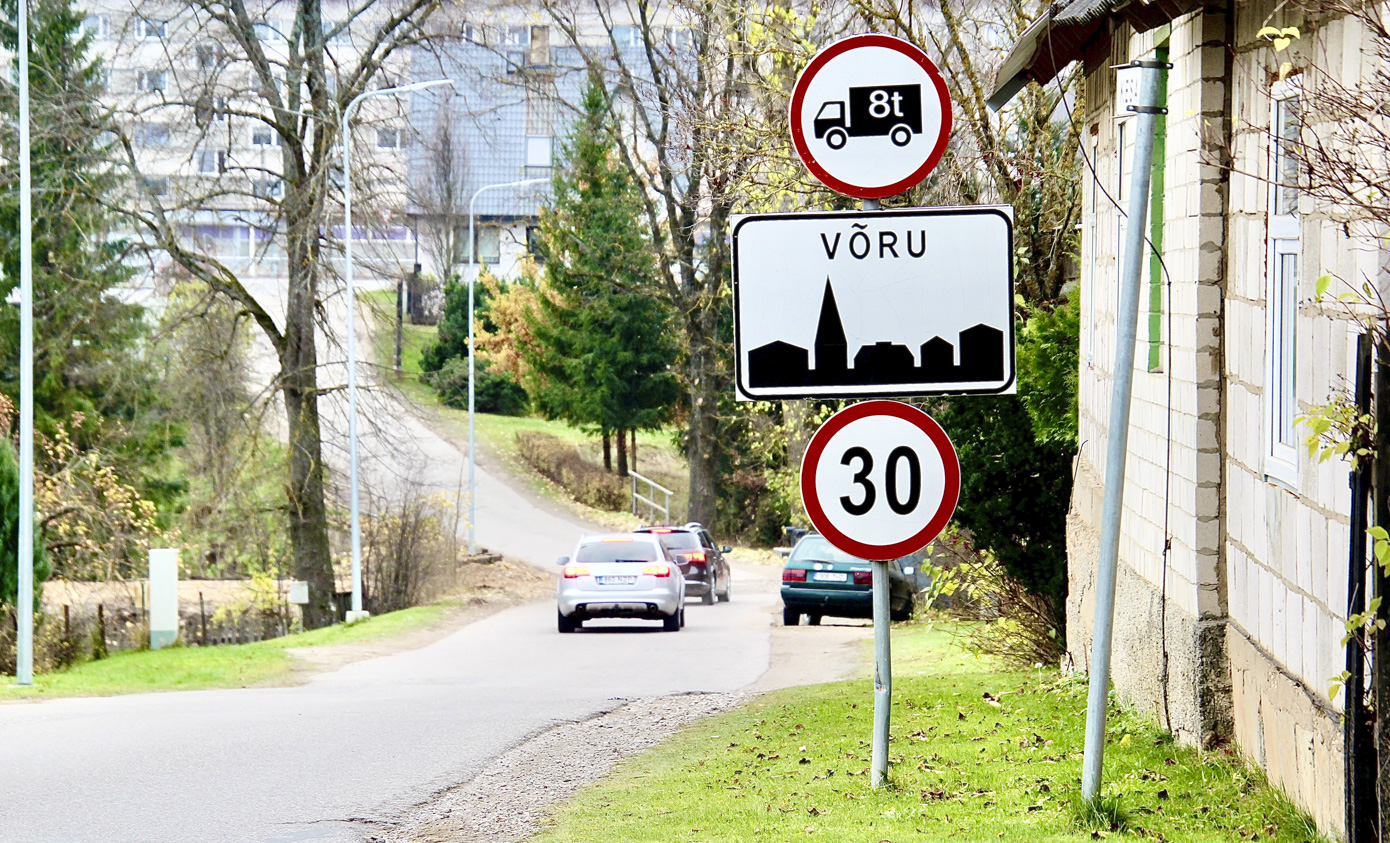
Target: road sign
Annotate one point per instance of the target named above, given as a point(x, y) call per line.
point(880, 479)
point(878, 303)
point(870, 116)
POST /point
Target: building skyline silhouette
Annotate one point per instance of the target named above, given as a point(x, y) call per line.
point(782, 364)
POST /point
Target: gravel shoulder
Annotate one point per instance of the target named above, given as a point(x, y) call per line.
point(512, 799)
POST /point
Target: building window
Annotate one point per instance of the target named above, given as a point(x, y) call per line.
point(211, 161)
point(147, 28)
point(153, 134)
point(1124, 171)
point(97, 26)
point(336, 32)
point(1155, 250)
point(1284, 170)
point(535, 246)
point(152, 81)
point(209, 55)
point(158, 187)
point(1281, 299)
point(264, 136)
point(489, 244)
point(267, 188)
point(1092, 245)
point(388, 137)
point(267, 30)
point(538, 152)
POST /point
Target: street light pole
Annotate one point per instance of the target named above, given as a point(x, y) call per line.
point(357, 613)
point(24, 597)
point(473, 267)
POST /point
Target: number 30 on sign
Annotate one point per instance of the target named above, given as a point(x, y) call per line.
point(880, 479)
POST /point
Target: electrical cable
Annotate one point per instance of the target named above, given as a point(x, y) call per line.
point(1168, 449)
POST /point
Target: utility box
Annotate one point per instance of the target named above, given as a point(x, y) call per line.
point(164, 597)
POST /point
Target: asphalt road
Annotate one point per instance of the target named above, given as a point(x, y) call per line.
point(330, 759)
point(359, 745)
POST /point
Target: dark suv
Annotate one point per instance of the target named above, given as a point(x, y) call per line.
point(701, 561)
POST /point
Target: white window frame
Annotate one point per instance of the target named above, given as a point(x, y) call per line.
point(211, 161)
point(150, 28)
point(155, 135)
point(1284, 257)
point(390, 137)
point(273, 141)
point(152, 81)
point(98, 26)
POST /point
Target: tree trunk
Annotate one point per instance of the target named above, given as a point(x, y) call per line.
point(702, 429)
point(607, 452)
point(312, 559)
point(622, 453)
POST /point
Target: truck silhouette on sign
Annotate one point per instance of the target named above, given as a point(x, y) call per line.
point(874, 111)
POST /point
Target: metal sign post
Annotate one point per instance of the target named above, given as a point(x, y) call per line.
point(870, 117)
point(880, 479)
point(1127, 321)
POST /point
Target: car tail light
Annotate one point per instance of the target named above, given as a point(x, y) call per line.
point(793, 575)
point(863, 577)
point(696, 556)
point(573, 571)
point(657, 570)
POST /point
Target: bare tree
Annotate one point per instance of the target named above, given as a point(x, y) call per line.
point(678, 87)
point(284, 72)
point(439, 195)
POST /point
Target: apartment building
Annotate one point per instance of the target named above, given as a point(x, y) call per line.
point(194, 106)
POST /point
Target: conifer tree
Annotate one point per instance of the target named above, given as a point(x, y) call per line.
point(87, 341)
point(604, 345)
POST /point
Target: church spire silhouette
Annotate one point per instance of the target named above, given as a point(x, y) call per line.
point(832, 349)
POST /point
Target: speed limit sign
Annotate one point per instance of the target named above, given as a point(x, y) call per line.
point(880, 479)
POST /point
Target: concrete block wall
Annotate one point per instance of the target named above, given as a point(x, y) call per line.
point(1287, 543)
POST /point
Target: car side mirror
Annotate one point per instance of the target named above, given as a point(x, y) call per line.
point(563, 560)
point(726, 549)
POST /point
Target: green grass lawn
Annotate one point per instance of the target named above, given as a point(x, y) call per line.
point(977, 755)
point(227, 666)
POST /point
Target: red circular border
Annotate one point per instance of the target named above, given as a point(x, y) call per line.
point(949, 496)
point(918, 57)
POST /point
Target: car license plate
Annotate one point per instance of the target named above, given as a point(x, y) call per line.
point(830, 576)
point(616, 580)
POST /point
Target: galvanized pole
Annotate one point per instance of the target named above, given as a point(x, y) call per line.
point(473, 272)
point(1126, 328)
point(355, 520)
point(355, 530)
point(24, 655)
point(883, 656)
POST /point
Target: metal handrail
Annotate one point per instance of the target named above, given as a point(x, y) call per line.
point(652, 506)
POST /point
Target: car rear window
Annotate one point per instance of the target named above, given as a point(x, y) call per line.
point(817, 549)
point(679, 541)
point(616, 551)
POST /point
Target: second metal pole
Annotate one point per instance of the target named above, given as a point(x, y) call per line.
point(1126, 331)
point(24, 595)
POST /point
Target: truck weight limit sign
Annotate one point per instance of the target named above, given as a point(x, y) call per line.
point(870, 116)
point(880, 479)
